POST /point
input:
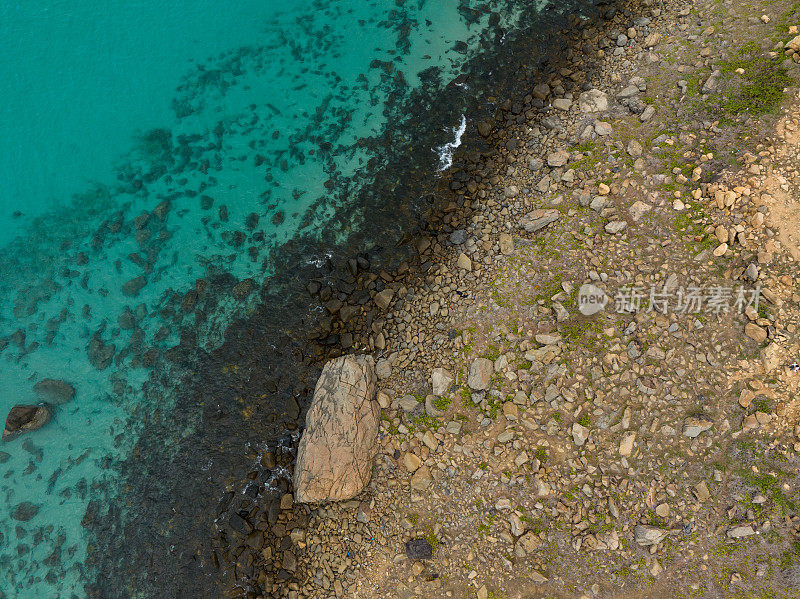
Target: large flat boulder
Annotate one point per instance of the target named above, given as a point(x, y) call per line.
point(23, 419)
point(334, 458)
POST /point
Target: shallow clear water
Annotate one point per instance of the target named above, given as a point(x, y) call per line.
point(149, 145)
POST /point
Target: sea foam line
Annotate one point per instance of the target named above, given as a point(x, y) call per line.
point(446, 151)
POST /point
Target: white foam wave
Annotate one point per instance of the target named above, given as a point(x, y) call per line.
point(446, 151)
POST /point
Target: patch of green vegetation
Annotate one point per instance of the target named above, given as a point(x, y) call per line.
point(770, 486)
point(501, 301)
point(762, 404)
point(583, 331)
point(557, 416)
point(491, 353)
point(692, 221)
point(494, 408)
point(541, 455)
point(548, 290)
point(466, 398)
point(431, 538)
point(584, 420)
point(764, 80)
point(426, 422)
point(523, 364)
point(388, 426)
point(413, 518)
point(442, 403)
point(790, 17)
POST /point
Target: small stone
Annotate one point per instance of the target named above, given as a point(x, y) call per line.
point(646, 536)
point(408, 403)
point(721, 249)
point(701, 491)
point(755, 332)
point(480, 374)
point(411, 462)
point(739, 532)
point(752, 272)
point(539, 219)
point(421, 479)
point(506, 244)
point(626, 445)
point(24, 511)
point(662, 510)
point(771, 357)
point(634, 148)
point(562, 104)
point(694, 426)
point(541, 91)
point(22, 419)
point(464, 263)
point(529, 542)
point(603, 129)
point(579, 434)
point(593, 100)
point(639, 209)
point(441, 380)
point(647, 114)
point(615, 227)
point(384, 299)
point(557, 158)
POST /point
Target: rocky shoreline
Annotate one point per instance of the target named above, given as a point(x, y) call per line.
point(526, 448)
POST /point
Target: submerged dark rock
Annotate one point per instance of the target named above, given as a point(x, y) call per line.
point(25, 418)
point(54, 391)
point(24, 511)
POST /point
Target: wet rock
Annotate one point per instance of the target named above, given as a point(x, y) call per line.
point(24, 511)
point(243, 288)
point(418, 549)
point(25, 418)
point(100, 353)
point(54, 392)
point(335, 454)
point(484, 129)
point(384, 299)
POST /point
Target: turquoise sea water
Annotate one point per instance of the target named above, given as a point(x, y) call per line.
point(149, 149)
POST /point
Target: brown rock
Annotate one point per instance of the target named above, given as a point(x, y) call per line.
point(22, 419)
point(334, 458)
